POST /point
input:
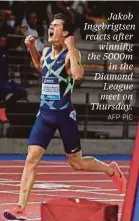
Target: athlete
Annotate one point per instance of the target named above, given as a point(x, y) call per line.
point(60, 66)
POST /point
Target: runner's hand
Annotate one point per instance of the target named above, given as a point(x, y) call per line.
point(70, 42)
point(30, 41)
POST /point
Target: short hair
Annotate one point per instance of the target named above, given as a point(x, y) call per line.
point(67, 26)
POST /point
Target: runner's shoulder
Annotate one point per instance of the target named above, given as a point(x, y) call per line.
point(43, 54)
point(45, 51)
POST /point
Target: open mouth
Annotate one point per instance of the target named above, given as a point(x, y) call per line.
point(51, 34)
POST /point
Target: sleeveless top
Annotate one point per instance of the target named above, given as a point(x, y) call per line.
point(57, 85)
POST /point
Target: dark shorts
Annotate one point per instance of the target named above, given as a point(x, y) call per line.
point(46, 124)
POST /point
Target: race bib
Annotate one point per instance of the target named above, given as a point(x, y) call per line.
point(50, 88)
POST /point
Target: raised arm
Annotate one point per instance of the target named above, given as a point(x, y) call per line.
point(35, 55)
point(76, 69)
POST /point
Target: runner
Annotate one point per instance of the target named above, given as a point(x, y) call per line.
point(60, 66)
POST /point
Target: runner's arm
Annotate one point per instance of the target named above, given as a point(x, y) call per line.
point(35, 55)
point(37, 58)
point(76, 68)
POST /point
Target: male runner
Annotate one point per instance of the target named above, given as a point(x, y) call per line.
point(60, 66)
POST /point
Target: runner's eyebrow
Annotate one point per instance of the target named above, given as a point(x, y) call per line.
point(54, 25)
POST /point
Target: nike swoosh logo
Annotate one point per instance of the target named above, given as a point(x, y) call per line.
point(74, 150)
point(60, 61)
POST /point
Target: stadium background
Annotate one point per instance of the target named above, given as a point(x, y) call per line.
point(106, 139)
point(98, 135)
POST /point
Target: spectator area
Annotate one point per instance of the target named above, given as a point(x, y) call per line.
point(92, 124)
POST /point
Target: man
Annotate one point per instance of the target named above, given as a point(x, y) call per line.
point(60, 66)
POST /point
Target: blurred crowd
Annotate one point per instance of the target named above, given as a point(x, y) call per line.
point(33, 17)
point(22, 18)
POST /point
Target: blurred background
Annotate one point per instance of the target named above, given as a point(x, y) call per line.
point(20, 83)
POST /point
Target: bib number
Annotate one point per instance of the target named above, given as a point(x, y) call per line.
point(51, 88)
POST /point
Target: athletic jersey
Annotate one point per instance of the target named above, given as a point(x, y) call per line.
point(57, 86)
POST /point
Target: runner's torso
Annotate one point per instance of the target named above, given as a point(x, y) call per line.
point(57, 86)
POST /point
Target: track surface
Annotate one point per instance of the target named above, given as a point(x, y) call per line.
point(56, 178)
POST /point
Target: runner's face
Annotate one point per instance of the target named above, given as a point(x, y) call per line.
point(55, 31)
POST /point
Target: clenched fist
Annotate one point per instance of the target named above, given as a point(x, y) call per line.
point(30, 41)
point(70, 42)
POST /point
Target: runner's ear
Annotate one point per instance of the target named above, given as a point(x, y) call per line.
point(65, 34)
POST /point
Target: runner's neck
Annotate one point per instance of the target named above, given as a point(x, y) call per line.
point(56, 50)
